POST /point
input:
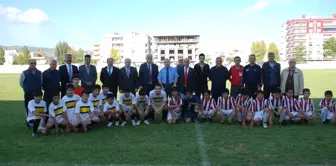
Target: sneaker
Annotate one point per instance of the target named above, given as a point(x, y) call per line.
point(117, 123)
point(34, 134)
point(265, 125)
point(109, 124)
point(138, 122)
point(123, 123)
point(146, 122)
point(133, 123)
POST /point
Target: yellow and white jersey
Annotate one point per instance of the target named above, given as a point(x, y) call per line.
point(70, 103)
point(102, 97)
point(142, 101)
point(127, 101)
point(57, 110)
point(158, 98)
point(40, 107)
point(96, 102)
point(84, 108)
point(114, 107)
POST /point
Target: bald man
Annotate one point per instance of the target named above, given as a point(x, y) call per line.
point(187, 77)
point(51, 82)
point(292, 79)
point(128, 77)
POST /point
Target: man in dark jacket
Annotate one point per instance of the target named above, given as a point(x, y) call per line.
point(270, 75)
point(51, 82)
point(202, 71)
point(128, 77)
point(186, 77)
point(67, 71)
point(148, 74)
point(109, 76)
point(219, 74)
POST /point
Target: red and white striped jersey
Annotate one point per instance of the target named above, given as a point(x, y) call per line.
point(306, 105)
point(331, 103)
point(259, 105)
point(174, 101)
point(291, 104)
point(227, 104)
point(209, 104)
point(246, 103)
point(276, 103)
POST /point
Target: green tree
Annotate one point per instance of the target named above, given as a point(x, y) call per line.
point(329, 47)
point(259, 50)
point(80, 56)
point(207, 60)
point(229, 59)
point(2, 56)
point(300, 53)
point(61, 49)
point(115, 54)
point(23, 57)
point(272, 47)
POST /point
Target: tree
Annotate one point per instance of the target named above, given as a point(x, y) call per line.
point(80, 56)
point(272, 47)
point(259, 50)
point(300, 53)
point(229, 59)
point(329, 47)
point(2, 56)
point(207, 60)
point(23, 57)
point(61, 49)
point(115, 54)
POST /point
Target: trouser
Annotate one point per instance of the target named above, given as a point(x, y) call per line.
point(200, 89)
point(252, 88)
point(235, 90)
point(168, 88)
point(27, 97)
point(36, 124)
point(148, 88)
point(268, 89)
point(217, 92)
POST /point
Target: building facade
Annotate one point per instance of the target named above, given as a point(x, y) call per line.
point(96, 52)
point(174, 47)
point(311, 32)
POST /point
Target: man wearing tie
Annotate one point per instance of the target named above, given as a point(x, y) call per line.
point(148, 74)
point(128, 77)
point(187, 76)
point(168, 77)
point(67, 71)
point(88, 74)
point(109, 76)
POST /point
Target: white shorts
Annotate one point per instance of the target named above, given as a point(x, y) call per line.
point(309, 113)
point(208, 113)
point(127, 109)
point(85, 116)
point(294, 113)
point(330, 115)
point(59, 120)
point(275, 109)
point(227, 112)
point(170, 117)
point(259, 115)
point(42, 125)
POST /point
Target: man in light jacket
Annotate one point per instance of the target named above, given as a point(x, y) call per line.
point(292, 78)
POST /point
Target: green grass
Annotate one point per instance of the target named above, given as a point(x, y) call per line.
point(164, 144)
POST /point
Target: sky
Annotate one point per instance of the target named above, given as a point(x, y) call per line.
point(220, 23)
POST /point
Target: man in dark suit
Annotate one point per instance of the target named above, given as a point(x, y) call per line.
point(271, 75)
point(148, 74)
point(128, 77)
point(67, 71)
point(202, 71)
point(186, 77)
point(51, 82)
point(109, 76)
point(88, 74)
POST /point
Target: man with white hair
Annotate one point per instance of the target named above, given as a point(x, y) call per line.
point(219, 74)
point(186, 79)
point(51, 82)
point(128, 77)
point(148, 73)
point(292, 79)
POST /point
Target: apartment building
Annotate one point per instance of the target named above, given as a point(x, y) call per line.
point(311, 32)
point(96, 52)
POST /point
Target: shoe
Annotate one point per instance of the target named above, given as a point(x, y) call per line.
point(117, 123)
point(34, 134)
point(109, 124)
point(305, 121)
point(146, 122)
point(265, 125)
point(138, 122)
point(133, 123)
point(123, 123)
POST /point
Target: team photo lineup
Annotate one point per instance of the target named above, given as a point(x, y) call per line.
point(73, 101)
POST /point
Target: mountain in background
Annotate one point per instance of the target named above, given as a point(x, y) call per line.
point(48, 51)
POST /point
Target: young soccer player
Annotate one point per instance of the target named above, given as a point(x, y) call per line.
point(111, 110)
point(292, 106)
point(58, 115)
point(37, 112)
point(278, 105)
point(174, 107)
point(327, 108)
point(261, 110)
point(225, 107)
point(242, 107)
point(158, 101)
point(97, 103)
point(209, 106)
point(307, 108)
point(103, 95)
point(78, 90)
point(70, 99)
point(127, 108)
point(84, 110)
point(142, 104)
point(191, 107)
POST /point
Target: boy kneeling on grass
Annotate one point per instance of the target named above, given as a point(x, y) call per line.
point(84, 110)
point(37, 113)
point(278, 105)
point(191, 108)
point(292, 107)
point(142, 104)
point(127, 108)
point(307, 108)
point(158, 102)
point(243, 107)
point(70, 99)
point(327, 108)
point(261, 111)
point(209, 107)
point(58, 115)
point(111, 110)
point(174, 107)
point(226, 105)
point(96, 102)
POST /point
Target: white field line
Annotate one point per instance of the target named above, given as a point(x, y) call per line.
point(201, 145)
point(64, 164)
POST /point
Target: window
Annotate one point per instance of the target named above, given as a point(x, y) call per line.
point(329, 29)
point(171, 51)
point(162, 52)
point(189, 51)
point(180, 51)
point(190, 57)
point(162, 58)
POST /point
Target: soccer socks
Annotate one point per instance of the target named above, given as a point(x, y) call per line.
point(265, 117)
point(36, 124)
point(324, 114)
point(282, 116)
point(239, 116)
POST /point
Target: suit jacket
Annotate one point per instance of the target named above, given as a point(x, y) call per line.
point(144, 74)
point(65, 76)
point(110, 80)
point(190, 80)
point(265, 68)
point(298, 81)
point(130, 82)
point(201, 78)
point(86, 77)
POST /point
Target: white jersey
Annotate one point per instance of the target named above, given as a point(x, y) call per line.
point(127, 102)
point(96, 102)
point(158, 98)
point(57, 110)
point(142, 101)
point(70, 104)
point(174, 101)
point(114, 107)
point(209, 104)
point(102, 97)
point(306, 105)
point(84, 108)
point(40, 107)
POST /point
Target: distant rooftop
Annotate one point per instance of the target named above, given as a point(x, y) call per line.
point(177, 35)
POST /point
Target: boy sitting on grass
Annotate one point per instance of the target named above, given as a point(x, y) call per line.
point(111, 110)
point(174, 107)
point(278, 105)
point(127, 108)
point(84, 110)
point(209, 107)
point(96, 102)
point(292, 107)
point(307, 108)
point(37, 113)
point(327, 108)
point(142, 104)
point(243, 107)
point(261, 111)
point(58, 115)
point(70, 99)
point(158, 101)
point(225, 105)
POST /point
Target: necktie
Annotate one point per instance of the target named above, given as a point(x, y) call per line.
point(88, 69)
point(149, 74)
point(185, 76)
point(128, 71)
point(109, 70)
point(167, 76)
point(70, 72)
